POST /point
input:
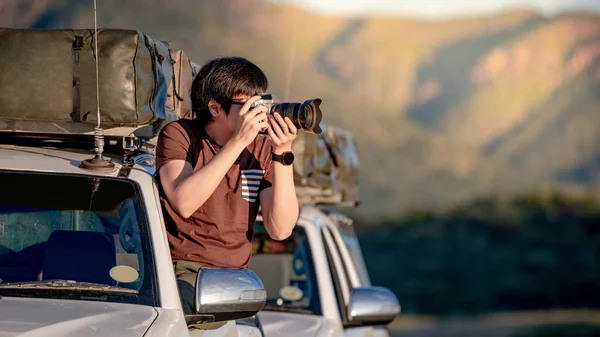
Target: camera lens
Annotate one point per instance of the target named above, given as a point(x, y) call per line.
point(310, 115)
point(305, 116)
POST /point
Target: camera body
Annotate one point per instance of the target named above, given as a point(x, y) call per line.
point(267, 100)
point(305, 116)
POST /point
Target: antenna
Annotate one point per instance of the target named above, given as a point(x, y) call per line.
point(98, 163)
point(292, 53)
point(96, 59)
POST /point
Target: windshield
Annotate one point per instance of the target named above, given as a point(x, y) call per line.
point(287, 271)
point(88, 231)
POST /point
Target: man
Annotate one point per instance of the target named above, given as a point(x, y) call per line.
point(216, 170)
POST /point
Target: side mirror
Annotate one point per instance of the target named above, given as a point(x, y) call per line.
point(372, 306)
point(227, 294)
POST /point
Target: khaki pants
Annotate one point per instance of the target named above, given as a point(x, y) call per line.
point(187, 273)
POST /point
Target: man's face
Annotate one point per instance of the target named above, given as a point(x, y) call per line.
point(232, 118)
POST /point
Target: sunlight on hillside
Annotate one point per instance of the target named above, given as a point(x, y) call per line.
point(443, 97)
point(478, 136)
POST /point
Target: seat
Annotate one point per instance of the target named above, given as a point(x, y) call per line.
point(275, 271)
point(79, 256)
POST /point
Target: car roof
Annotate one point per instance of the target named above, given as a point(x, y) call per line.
point(317, 218)
point(307, 212)
point(46, 159)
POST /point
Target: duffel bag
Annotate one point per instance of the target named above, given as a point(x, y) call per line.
point(50, 76)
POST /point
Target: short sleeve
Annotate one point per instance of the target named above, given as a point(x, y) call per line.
point(173, 144)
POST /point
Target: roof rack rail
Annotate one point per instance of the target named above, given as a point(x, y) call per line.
point(322, 197)
point(113, 144)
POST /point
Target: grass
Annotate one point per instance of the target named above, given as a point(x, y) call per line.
point(544, 323)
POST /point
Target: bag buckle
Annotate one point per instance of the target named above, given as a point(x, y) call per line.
point(78, 43)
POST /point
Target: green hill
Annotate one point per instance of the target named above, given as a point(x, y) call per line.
point(526, 252)
point(443, 110)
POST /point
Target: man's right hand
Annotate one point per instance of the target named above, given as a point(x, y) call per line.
point(251, 121)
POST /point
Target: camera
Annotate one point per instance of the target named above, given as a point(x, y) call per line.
point(305, 116)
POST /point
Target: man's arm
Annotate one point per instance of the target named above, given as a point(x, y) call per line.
point(278, 202)
point(188, 190)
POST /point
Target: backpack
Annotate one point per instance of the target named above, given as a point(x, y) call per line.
point(179, 100)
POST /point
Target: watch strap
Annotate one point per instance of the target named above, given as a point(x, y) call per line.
point(282, 157)
point(277, 157)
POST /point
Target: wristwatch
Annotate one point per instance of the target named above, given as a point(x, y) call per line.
point(286, 158)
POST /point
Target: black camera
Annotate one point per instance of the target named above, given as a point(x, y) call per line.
point(305, 116)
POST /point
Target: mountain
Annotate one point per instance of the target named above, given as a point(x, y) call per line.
point(442, 110)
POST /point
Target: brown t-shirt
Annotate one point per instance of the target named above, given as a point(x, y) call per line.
point(219, 233)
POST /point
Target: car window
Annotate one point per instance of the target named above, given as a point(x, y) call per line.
point(342, 266)
point(287, 271)
point(353, 247)
point(337, 273)
point(76, 229)
point(348, 236)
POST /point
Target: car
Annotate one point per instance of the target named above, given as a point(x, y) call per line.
point(316, 281)
point(84, 250)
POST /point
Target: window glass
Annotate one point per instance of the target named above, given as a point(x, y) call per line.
point(353, 246)
point(80, 232)
point(287, 271)
point(348, 234)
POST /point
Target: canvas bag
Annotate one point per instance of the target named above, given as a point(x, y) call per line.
point(48, 79)
point(326, 167)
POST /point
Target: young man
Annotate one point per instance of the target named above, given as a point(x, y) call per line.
point(216, 170)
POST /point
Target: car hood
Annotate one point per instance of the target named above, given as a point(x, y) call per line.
point(276, 323)
point(26, 317)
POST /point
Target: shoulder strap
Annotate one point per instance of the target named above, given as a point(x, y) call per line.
point(77, 47)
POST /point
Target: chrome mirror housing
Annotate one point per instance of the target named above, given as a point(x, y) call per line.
point(229, 294)
point(372, 306)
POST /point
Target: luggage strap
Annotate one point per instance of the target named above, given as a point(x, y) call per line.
point(77, 47)
point(173, 79)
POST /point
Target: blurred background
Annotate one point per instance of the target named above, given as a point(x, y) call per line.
point(478, 124)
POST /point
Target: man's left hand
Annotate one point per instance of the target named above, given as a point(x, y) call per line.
point(282, 132)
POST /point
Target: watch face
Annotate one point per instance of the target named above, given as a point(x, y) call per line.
point(288, 158)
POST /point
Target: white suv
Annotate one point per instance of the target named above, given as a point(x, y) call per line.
point(85, 253)
point(317, 283)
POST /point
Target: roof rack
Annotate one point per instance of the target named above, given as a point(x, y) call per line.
point(322, 197)
point(114, 144)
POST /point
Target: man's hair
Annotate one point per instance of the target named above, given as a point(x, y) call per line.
point(223, 78)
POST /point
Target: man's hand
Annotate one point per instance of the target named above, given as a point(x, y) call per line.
point(282, 132)
point(251, 121)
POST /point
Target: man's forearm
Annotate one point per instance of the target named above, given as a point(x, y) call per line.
point(192, 192)
point(284, 210)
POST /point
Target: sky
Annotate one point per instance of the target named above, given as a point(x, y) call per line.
point(439, 8)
